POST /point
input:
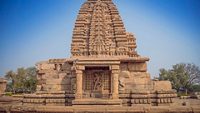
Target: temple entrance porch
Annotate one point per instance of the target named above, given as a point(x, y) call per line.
point(97, 82)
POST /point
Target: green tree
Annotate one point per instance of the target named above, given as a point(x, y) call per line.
point(30, 79)
point(11, 77)
point(196, 88)
point(181, 76)
point(23, 80)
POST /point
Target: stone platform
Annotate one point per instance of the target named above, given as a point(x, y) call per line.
point(115, 102)
point(100, 109)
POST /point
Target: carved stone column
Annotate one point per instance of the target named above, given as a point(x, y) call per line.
point(115, 83)
point(79, 77)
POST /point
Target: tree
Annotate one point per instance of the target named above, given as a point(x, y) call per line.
point(196, 88)
point(193, 72)
point(30, 79)
point(23, 80)
point(11, 77)
point(181, 76)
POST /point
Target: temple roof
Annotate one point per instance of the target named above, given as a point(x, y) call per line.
point(99, 31)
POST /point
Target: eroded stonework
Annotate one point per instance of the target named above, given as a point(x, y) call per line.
point(104, 68)
point(99, 31)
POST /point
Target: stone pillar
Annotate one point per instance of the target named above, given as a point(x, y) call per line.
point(79, 77)
point(115, 83)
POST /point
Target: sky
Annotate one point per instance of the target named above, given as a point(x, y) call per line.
point(167, 31)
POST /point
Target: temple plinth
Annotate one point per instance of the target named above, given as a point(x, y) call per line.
point(104, 67)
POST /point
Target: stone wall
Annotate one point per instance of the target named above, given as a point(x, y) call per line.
point(161, 85)
point(54, 75)
point(99, 109)
point(134, 76)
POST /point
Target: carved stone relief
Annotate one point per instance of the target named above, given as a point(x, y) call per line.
point(97, 81)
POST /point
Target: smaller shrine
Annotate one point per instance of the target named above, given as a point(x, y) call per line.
point(3, 83)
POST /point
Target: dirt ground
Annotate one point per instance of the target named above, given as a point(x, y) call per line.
point(188, 102)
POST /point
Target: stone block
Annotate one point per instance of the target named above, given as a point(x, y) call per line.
point(45, 66)
point(124, 67)
point(137, 67)
point(162, 85)
point(115, 67)
point(58, 81)
point(124, 74)
point(62, 75)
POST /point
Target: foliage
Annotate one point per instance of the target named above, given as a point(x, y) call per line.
point(182, 76)
point(196, 88)
point(179, 94)
point(21, 81)
point(8, 94)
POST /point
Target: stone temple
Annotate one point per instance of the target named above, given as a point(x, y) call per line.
point(104, 67)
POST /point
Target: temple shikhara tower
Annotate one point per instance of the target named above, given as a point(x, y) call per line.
point(104, 67)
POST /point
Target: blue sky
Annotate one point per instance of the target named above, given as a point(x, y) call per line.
point(167, 31)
